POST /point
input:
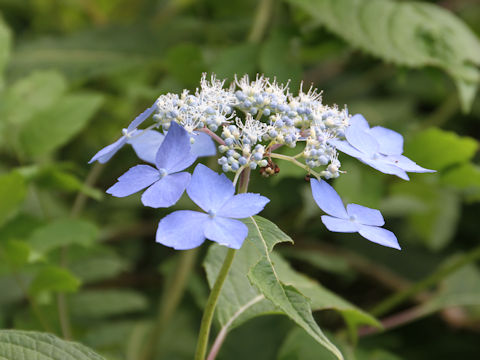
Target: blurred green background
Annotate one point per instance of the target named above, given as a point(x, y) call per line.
point(73, 73)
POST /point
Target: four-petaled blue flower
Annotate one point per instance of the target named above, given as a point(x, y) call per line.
point(108, 151)
point(166, 183)
point(378, 147)
point(214, 194)
point(147, 143)
point(356, 218)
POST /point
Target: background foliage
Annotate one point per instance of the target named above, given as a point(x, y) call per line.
point(73, 73)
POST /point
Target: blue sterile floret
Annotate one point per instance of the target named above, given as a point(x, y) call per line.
point(108, 151)
point(147, 143)
point(355, 218)
point(378, 147)
point(214, 194)
point(167, 182)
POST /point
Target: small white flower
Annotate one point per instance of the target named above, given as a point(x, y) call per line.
point(253, 129)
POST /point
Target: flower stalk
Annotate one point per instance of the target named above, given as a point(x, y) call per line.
point(207, 318)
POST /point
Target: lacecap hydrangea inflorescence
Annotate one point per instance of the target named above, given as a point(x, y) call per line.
point(247, 122)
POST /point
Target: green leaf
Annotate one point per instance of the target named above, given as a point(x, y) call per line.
point(465, 177)
point(58, 176)
point(264, 234)
point(239, 59)
point(289, 300)
point(98, 50)
point(333, 263)
point(362, 185)
point(5, 43)
point(54, 279)
point(22, 345)
point(300, 346)
point(279, 58)
point(320, 297)
point(62, 232)
point(436, 221)
point(462, 288)
point(55, 126)
point(21, 227)
point(97, 265)
point(467, 90)
point(96, 304)
point(54, 177)
point(16, 252)
point(24, 99)
point(240, 301)
point(31, 94)
point(12, 193)
point(407, 33)
point(436, 149)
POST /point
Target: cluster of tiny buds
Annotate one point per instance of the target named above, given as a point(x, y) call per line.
point(236, 158)
point(255, 115)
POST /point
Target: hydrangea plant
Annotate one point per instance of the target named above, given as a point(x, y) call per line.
point(248, 122)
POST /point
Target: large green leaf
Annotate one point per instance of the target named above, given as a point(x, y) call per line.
point(462, 288)
point(299, 346)
point(23, 345)
point(406, 33)
point(24, 99)
point(436, 149)
point(320, 297)
point(54, 279)
point(16, 252)
point(35, 92)
point(12, 193)
point(240, 301)
point(55, 126)
point(5, 42)
point(465, 177)
point(287, 298)
point(62, 232)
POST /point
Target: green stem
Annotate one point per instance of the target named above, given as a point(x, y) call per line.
point(398, 298)
point(244, 180)
point(209, 311)
point(77, 208)
point(261, 21)
point(296, 162)
point(172, 295)
point(211, 304)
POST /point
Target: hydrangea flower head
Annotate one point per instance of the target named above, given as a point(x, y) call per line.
point(214, 194)
point(355, 218)
point(166, 183)
point(250, 120)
